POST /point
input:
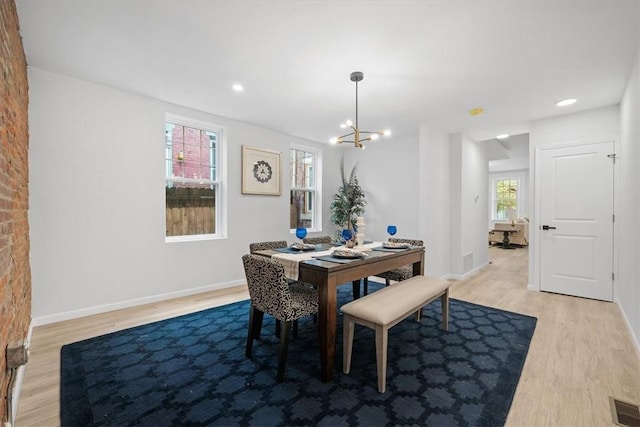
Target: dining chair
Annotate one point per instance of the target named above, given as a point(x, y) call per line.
point(400, 273)
point(263, 246)
point(271, 293)
point(317, 240)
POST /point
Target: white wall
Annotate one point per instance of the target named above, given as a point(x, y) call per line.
point(434, 199)
point(455, 207)
point(387, 171)
point(474, 206)
point(427, 186)
point(97, 201)
point(591, 125)
point(628, 210)
point(468, 187)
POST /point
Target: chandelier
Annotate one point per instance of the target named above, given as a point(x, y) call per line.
point(357, 137)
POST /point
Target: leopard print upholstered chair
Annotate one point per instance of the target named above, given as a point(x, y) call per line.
point(402, 273)
point(271, 293)
point(317, 240)
point(270, 245)
point(263, 246)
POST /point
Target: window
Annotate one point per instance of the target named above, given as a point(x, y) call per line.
point(505, 199)
point(305, 194)
point(192, 180)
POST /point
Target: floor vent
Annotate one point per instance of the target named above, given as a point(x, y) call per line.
point(467, 262)
point(624, 413)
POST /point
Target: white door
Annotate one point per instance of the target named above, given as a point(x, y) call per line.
point(576, 220)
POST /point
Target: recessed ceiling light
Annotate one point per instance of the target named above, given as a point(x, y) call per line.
point(237, 88)
point(503, 136)
point(566, 102)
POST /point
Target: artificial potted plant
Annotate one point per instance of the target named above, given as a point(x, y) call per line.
point(348, 203)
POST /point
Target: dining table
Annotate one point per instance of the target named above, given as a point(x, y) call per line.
point(320, 268)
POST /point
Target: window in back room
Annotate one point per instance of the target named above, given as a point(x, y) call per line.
point(505, 199)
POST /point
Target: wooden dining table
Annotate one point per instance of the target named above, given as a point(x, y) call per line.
point(327, 276)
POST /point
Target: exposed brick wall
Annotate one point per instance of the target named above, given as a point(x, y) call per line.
point(15, 273)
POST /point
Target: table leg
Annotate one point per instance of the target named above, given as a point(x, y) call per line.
point(506, 243)
point(356, 288)
point(418, 267)
point(327, 312)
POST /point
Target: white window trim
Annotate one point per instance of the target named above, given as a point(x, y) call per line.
point(317, 179)
point(221, 175)
point(494, 196)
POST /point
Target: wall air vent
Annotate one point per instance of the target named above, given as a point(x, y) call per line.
point(624, 413)
point(467, 262)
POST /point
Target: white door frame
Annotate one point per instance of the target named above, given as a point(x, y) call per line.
point(534, 227)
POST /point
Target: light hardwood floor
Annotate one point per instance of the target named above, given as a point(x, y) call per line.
point(581, 352)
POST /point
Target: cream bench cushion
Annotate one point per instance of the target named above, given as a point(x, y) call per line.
point(386, 308)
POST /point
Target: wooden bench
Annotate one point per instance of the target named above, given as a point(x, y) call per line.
point(386, 308)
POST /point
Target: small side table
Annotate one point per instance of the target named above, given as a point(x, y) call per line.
point(506, 243)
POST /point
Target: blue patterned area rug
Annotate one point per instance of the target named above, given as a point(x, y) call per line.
point(192, 371)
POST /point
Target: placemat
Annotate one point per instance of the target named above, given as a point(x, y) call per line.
point(331, 258)
point(383, 249)
point(289, 250)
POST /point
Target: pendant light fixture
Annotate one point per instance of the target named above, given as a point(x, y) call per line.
point(357, 137)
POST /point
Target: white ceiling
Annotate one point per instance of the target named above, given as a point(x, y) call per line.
point(423, 61)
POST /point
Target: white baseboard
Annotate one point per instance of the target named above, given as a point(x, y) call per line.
point(634, 338)
point(83, 312)
point(532, 287)
point(467, 274)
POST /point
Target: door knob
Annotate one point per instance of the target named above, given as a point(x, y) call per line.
point(546, 227)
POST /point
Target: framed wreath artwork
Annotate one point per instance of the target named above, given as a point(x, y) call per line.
point(260, 171)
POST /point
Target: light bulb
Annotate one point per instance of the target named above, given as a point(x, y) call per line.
point(374, 137)
point(343, 125)
point(333, 140)
point(386, 132)
point(566, 102)
point(349, 123)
